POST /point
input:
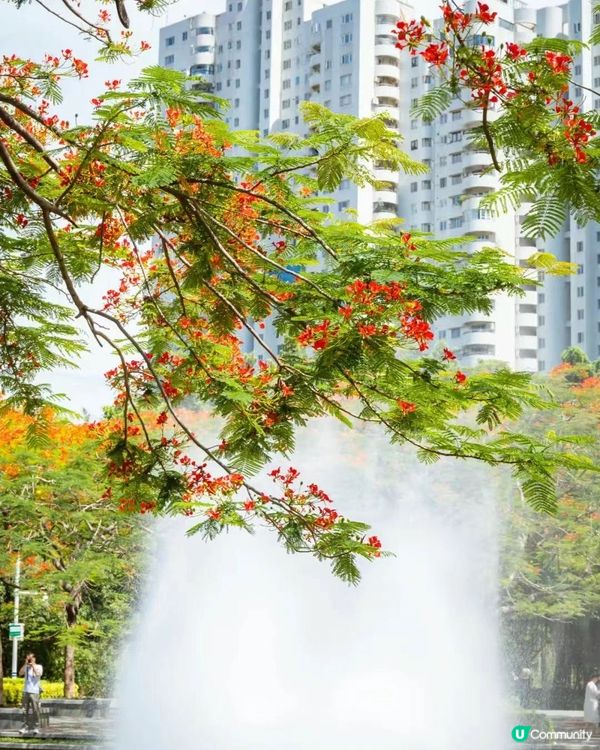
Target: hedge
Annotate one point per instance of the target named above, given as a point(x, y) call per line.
point(13, 690)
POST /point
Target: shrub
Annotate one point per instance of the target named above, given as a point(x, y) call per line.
point(13, 690)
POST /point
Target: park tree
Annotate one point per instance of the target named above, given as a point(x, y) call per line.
point(550, 593)
point(74, 547)
point(215, 234)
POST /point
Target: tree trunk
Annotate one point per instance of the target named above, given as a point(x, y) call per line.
point(69, 674)
point(71, 612)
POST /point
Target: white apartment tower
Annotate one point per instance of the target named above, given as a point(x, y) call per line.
point(569, 307)
point(446, 203)
point(267, 56)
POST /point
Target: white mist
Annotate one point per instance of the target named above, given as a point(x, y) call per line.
point(242, 646)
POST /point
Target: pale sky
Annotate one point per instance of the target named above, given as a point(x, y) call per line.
point(31, 32)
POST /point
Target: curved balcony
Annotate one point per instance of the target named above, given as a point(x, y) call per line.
point(384, 70)
point(314, 79)
point(388, 197)
point(389, 92)
point(475, 160)
point(479, 182)
point(385, 175)
point(392, 7)
point(385, 210)
point(474, 224)
point(477, 245)
point(526, 16)
point(386, 47)
point(473, 336)
point(527, 342)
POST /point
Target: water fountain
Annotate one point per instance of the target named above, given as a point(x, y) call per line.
point(240, 645)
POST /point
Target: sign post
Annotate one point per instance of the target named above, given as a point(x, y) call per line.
point(16, 630)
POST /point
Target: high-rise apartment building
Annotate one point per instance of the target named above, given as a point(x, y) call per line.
point(446, 203)
point(569, 307)
point(268, 56)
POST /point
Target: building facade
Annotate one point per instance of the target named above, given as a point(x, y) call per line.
point(268, 56)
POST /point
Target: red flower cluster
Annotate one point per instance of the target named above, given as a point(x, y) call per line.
point(414, 327)
point(317, 336)
point(514, 52)
point(455, 20)
point(410, 34)
point(486, 81)
point(558, 63)
point(483, 13)
point(407, 407)
point(436, 54)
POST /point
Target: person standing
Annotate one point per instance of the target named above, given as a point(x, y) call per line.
point(32, 673)
point(590, 704)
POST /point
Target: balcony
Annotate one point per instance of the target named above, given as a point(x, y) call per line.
point(389, 93)
point(385, 210)
point(385, 70)
point(479, 182)
point(385, 44)
point(385, 197)
point(473, 117)
point(385, 175)
point(387, 7)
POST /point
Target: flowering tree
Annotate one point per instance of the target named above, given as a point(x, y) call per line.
point(214, 232)
point(541, 142)
point(74, 545)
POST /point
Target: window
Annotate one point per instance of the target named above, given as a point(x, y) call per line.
point(346, 80)
point(287, 44)
point(345, 100)
point(426, 142)
point(505, 24)
point(328, 23)
point(442, 182)
point(579, 247)
point(414, 82)
point(347, 38)
point(343, 205)
point(414, 186)
point(456, 158)
point(237, 83)
point(184, 36)
point(414, 145)
point(238, 26)
point(425, 205)
point(205, 48)
point(285, 124)
point(455, 333)
point(169, 59)
point(456, 221)
point(327, 86)
point(443, 119)
point(288, 5)
point(443, 226)
point(580, 314)
point(347, 58)
point(236, 122)
point(414, 62)
point(455, 179)
point(287, 64)
point(580, 291)
point(457, 115)
point(580, 269)
point(285, 104)
point(286, 84)
point(577, 70)
point(347, 18)
point(580, 338)
point(170, 41)
point(455, 136)
point(414, 124)
point(205, 30)
point(287, 25)
point(426, 227)
point(443, 161)
point(426, 184)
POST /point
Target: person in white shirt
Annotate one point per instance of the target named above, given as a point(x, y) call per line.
point(590, 704)
point(32, 674)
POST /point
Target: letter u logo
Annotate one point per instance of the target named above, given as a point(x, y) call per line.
point(520, 733)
